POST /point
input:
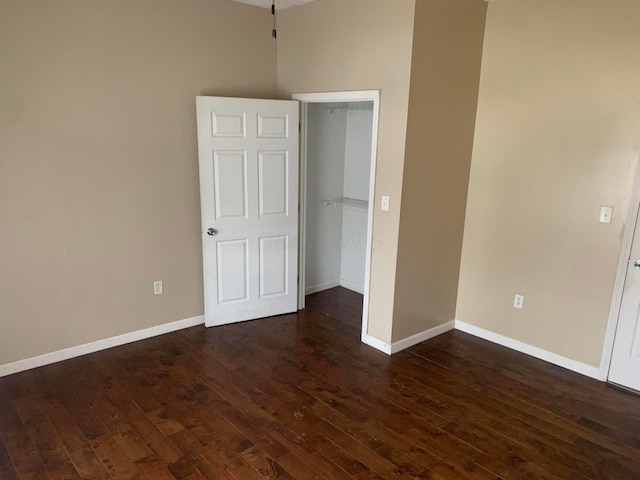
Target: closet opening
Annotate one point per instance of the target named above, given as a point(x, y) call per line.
point(338, 151)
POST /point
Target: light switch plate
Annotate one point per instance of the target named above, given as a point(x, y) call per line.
point(157, 287)
point(605, 214)
point(384, 206)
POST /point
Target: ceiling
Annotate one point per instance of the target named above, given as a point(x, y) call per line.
point(280, 4)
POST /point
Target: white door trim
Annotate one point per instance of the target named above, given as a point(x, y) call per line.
point(623, 261)
point(302, 207)
point(327, 97)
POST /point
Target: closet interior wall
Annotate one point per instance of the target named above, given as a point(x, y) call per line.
point(338, 173)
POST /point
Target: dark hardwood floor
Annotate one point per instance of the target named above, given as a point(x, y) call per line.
point(299, 396)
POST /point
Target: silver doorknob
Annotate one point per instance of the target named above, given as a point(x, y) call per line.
point(212, 231)
point(636, 264)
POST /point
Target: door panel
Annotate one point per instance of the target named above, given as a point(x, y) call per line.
point(248, 158)
point(273, 182)
point(233, 278)
point(230, 184)
point(274, 257)
point(228, 124)
point(273, 125)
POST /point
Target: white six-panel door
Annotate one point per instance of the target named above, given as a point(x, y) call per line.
point(248, 157)
point(625, 361)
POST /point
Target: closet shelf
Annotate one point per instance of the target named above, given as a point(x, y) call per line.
point(347, 202)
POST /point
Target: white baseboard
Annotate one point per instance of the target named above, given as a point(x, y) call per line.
point(91, 347)
point(421, 337)
point(321, 286)
point(573, 365)
point(405, 343)
point(377, 344)
point(352, 286)
point(389, 349)
point(536, 352)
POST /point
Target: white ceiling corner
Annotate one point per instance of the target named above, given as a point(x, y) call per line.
point(280, 4)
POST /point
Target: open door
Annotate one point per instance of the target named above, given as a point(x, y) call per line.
point(248, 157)
point(625, 361)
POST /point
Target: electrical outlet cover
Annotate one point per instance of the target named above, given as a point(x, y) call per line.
point(518, 301)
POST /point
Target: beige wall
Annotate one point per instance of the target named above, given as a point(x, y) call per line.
point(337, 45)
point(447, 53)
point(98, 163)
point(558, 135)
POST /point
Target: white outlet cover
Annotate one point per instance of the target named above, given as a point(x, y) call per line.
point(518, 301)
point(157, 287)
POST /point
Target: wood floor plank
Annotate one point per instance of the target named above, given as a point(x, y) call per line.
point(113, 458)
point(7, 470)
point(67, 430)
point(466, 466)
point(299, 396)
point(489, 409)
point(207, 465)
point(52, 451)
point(19, 445)
point(298, 468)
point(88, 465)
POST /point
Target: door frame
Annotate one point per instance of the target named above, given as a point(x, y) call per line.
point(621, 275)
point(330, 97)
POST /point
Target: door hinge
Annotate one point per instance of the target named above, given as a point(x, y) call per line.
point(299, 126)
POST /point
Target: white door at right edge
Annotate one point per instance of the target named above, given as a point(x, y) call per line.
point(625, 361)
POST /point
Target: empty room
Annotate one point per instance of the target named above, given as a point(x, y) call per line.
point(319, 239)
